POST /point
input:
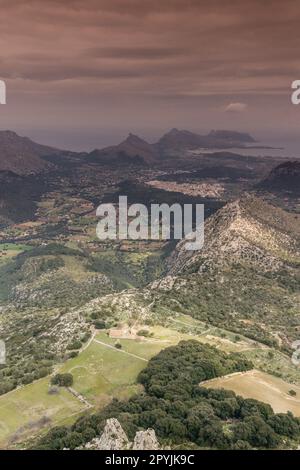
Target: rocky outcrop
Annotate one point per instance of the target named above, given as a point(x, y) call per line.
point(248, 231)
point(145, 440)
point(114, 438)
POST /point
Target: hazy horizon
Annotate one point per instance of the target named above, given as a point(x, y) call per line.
point(94, 139)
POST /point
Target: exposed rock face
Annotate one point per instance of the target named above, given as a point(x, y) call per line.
point(145, 440)
point(247, 230)
point(114, 438)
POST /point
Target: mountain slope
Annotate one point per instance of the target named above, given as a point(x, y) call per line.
point(18, 196)
point(284, 178)
point(21, 155)
point(245, 279)
point(132, 150)
point(248, 231)
point(175, 140)
point(136, 150)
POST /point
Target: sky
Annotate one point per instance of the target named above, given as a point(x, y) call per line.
point(82, 74)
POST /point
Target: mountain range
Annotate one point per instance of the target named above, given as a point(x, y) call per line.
point(23, 156)
point(181, 139)
point(135, 149)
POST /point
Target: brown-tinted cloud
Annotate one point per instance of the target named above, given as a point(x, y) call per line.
point(142, 52)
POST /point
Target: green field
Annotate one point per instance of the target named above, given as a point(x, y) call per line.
point(14, 247)
point(147, 348)
point(10, 250)
point(27, 410)
point(101, 372)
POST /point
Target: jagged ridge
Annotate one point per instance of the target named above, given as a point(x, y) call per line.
point(247, 230)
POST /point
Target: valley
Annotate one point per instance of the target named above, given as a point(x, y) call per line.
point(101, 310)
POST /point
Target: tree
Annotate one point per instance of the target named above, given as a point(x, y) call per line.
point(62, 380)
point(76, 344)
point(100, 324)
point(241, 445)
point(285, 424)
point(257, 432)
point(143, 333)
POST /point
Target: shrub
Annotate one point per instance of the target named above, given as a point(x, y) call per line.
point(62, 380)
point(75, 344)
point(100, 324)
point(72, 354)
point(143, 333)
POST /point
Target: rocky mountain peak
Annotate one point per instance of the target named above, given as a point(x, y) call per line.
point(174, 131)
point(135, 139)
point(114, 438)
point(133, 147)
point(145, 440)
point(247, 230)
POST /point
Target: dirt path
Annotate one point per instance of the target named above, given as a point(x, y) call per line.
point(85, 346)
